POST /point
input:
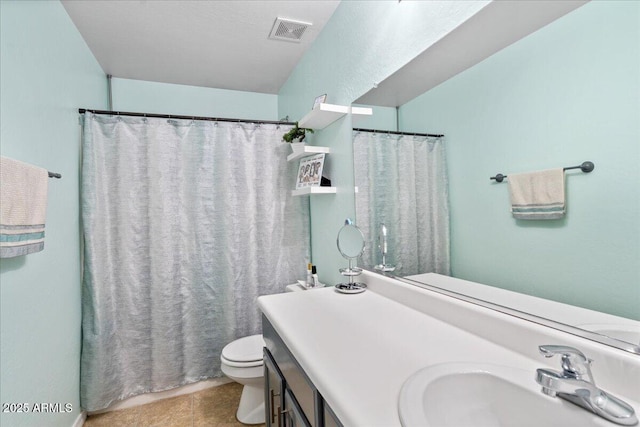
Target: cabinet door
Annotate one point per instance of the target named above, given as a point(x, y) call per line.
point(294, 377)
point(273, 392)
point(330, 419)
point(293, 415)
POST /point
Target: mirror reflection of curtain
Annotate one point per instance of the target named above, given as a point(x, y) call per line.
point(402, 182)
point(185, 224)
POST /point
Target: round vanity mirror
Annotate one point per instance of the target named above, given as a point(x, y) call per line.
point(351, 245)
point(350, 240)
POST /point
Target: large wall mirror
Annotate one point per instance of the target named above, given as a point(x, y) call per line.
point(566, 93)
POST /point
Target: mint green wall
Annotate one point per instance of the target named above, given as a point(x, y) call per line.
point(46, 73)
point(565, 94)
point(151, 97)
point(363, 43)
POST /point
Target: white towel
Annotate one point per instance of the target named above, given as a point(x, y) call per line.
point(537, 195)
point(23, 207)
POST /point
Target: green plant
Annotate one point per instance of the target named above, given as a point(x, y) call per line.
point(296, 133)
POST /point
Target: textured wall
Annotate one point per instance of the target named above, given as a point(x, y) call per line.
point(151, 97)
point(46, 73)
point(565, 94)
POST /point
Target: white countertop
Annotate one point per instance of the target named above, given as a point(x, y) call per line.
point(359, 349)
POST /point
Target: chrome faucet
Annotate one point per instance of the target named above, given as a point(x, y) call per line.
point(575, 383)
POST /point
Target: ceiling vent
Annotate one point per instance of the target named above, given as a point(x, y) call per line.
point(288, 30)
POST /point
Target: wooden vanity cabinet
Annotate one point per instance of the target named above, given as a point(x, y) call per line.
point(273, 391)
point(291, 399)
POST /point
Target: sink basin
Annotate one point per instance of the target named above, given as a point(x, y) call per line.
point(483, 395)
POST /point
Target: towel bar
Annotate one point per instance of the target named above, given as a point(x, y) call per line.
point(585, 167)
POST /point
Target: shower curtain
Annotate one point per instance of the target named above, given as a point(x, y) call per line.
point(402, 182)
point(185, 224)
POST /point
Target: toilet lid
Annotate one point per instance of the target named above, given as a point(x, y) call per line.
point(247, 349)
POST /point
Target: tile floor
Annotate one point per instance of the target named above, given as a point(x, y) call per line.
point(213, 407)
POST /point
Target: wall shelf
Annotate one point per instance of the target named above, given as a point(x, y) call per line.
point(313, 190)
point(319, 118)
point(361, 111)
point(325, 114)
point(322, 116)
point(305, 150)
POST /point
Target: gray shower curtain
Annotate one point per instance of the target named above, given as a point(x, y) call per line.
point(402, 182)
point(185, 224)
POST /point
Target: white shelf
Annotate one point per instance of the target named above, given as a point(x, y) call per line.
point(306, 150)
point(319, 118)
point(325, 114)
point(322, 116)
point(361, 111)
point(313, 190)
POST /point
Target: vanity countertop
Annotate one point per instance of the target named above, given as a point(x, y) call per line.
point(359, 349)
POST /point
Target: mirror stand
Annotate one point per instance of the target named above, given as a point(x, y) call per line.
point(351, 245)
point(352, 287)
point(384, 266)
point(383, 246)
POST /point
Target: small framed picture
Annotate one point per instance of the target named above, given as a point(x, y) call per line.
point(319, 100)
point(310, 171)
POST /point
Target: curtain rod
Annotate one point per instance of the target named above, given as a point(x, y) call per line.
point(395, 132)
point(175, 116)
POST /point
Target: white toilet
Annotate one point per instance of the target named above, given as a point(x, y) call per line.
point(242, 362)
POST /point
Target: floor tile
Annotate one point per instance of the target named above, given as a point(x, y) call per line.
point(213, 407)
point(217, 405)
point(174, 412)
point(122, 418)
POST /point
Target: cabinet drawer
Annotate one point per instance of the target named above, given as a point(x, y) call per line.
point(295, 378)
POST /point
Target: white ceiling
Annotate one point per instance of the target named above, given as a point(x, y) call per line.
point(221, 44)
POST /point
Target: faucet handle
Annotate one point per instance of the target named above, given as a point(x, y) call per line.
point(552, 350)
point(574, 362)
